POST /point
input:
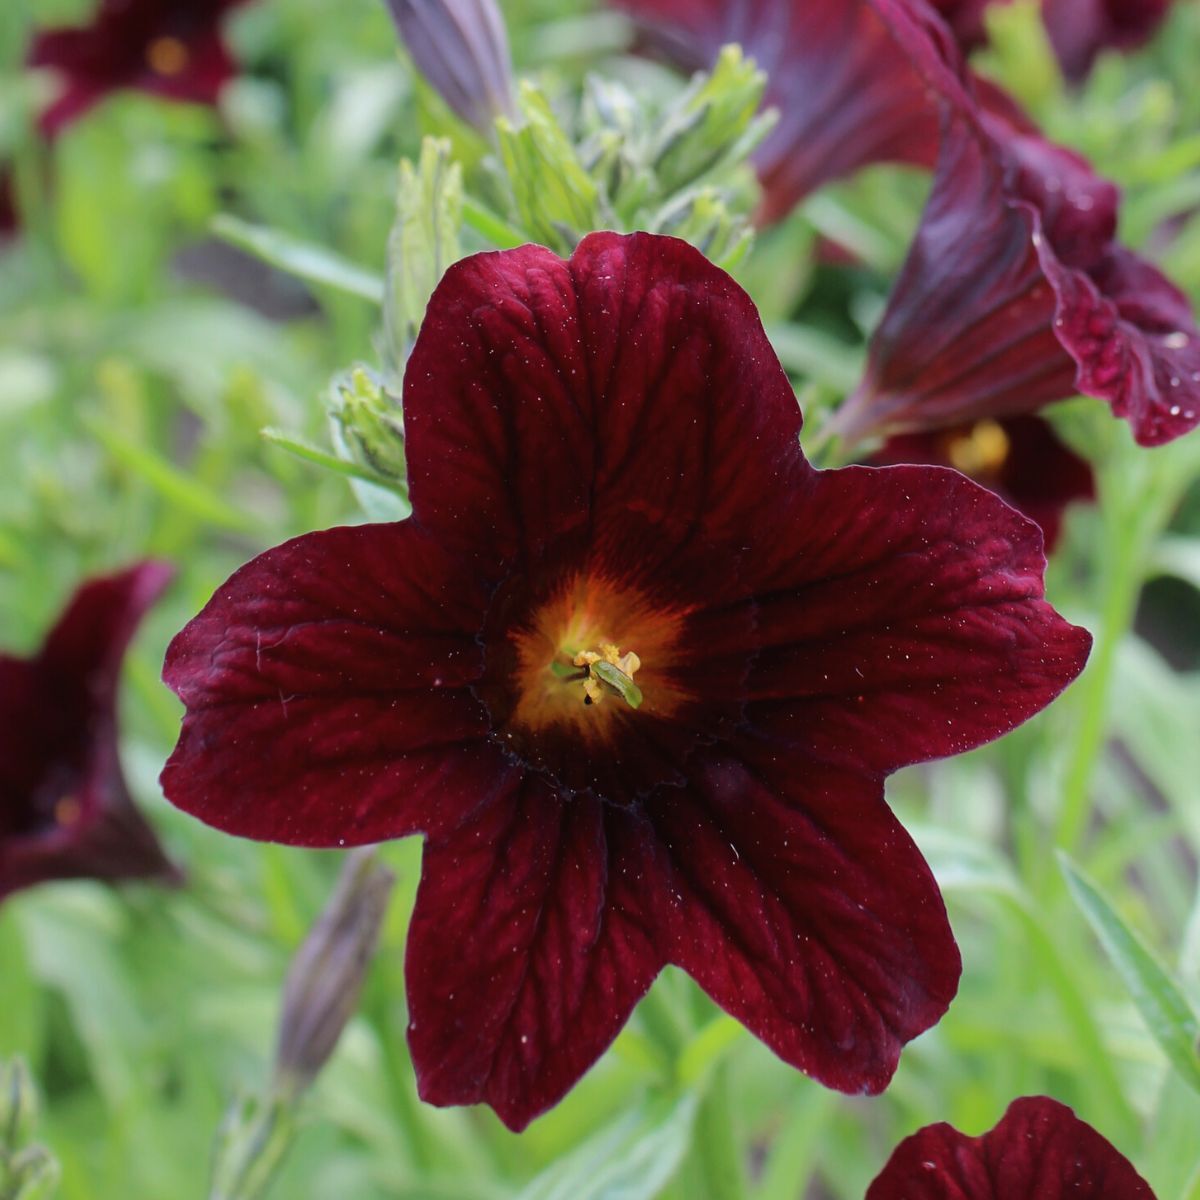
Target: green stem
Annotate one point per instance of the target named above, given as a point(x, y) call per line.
point(1124, 573)
point(499, 232)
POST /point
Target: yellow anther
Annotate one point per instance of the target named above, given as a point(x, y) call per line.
point(981, 451)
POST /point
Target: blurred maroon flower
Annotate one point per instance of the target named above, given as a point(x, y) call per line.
point(636, 671)
point(1021, 459)
point(849, 78)
point(461, 47)
point(1014, 295)
point(172, 48)
point(1080, 29)
point(65, 812)
point(1039, 1149)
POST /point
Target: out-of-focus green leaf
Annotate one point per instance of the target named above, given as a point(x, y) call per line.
point(300, 258)
point(1158, 995)
point(632, 1160)
point(172, 483)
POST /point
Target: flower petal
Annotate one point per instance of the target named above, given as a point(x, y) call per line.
point(547, 399)
point(802, 907)
point(529, 946)
point(1014, 296)
point(325, 683)
point(1037, 473)
point(90, 638)
point(1080, 29)
point(904, 621)
point(1135, 340)
point(1040, 1148)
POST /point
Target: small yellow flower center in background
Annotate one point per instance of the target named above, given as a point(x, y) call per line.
point(618, 680)
point(67, 811)
point(167, 56)
point(981, 451)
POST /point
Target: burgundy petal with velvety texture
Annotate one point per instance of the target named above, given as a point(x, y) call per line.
point(1014, 295)
point(1080, 29)
point(65, 812)
point(171, 48)
point(531, 941)
point(1021, 459)
point(1039, 1149)
point(328, 687)
point(848, 78)
point(608, 486)
point(801, 906)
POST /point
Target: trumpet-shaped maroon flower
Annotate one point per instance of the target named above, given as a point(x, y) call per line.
point(1014, 294)
point(1080, 29)
point(171, 48)
point(849, 79)
point(1021, 459)
point(1039, 1149)
point(636, 671)
point(65, 812)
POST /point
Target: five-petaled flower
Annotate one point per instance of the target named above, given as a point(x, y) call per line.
point(172, 48)
point(608, 489)
point(1040, 1148)
point(1021, 459)
point(65, 812)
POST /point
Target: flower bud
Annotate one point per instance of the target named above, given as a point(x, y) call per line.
point(461, 48)
point(327, 974)
point(422, 244)
point(367, 431)
point(557, 202)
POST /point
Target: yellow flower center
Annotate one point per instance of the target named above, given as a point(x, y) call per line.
point(608, 670)
point(167, 56)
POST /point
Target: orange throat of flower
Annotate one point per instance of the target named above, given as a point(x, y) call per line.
point(592, 657)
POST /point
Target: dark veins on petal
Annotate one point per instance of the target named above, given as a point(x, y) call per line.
point(607, 484)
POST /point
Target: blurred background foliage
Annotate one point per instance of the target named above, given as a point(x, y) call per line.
point(140, 358)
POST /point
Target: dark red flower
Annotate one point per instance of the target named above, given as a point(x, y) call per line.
point(1021, 459)
point(1014, 295)
point(172, 48)
point(605, 462)
point(65, 811)
point(849, 79)
point(1039, 1149)
point(1080, 29)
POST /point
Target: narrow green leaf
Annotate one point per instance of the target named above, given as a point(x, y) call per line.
point(172, 483)
point(299, 258)
point(1158, 995)
point(323, 458)
point(633, 1159)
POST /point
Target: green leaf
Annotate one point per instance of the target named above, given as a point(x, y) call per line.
point(305, 450)
point(633, 1159)
point(1158, 995)
point(299, 258)
point(173, 484)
